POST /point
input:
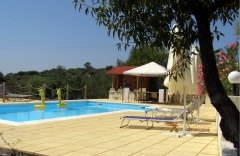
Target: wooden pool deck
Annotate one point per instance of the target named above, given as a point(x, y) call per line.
point(101, 136)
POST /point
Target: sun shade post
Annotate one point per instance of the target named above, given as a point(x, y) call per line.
point(185, 108)
point(184, 113)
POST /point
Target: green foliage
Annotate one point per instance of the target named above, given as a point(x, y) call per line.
point(146, 54)
point(230, 64)
point(88, 66)
point(149, 23)
point(108, 67)
point(1, 77)
point(120, 63)
point(97, 81)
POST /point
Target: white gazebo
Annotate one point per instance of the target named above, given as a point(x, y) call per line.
point(151, 69)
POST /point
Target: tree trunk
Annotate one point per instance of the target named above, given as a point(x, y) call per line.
point(228, 111)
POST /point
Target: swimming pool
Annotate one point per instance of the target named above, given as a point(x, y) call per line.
point(25, 113)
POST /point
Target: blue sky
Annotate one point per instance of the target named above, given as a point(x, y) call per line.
point(42, 34)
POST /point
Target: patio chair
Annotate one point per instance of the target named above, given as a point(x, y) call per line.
point(139, 96)
point(142, 96)
point(118, 94)
point(111, 93)
point(154, 96)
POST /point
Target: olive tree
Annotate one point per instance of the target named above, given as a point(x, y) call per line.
point(149, 22)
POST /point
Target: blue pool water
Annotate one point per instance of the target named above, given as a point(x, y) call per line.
point(25, 112)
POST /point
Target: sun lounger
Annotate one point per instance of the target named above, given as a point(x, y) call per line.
point(163, 111)
point(172, 121)
point(171, 116)
point(4, 93)
point(9, 95)
point(194, 105)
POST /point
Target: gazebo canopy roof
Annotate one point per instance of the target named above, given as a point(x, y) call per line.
point(151, 69)
point(119, 70)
